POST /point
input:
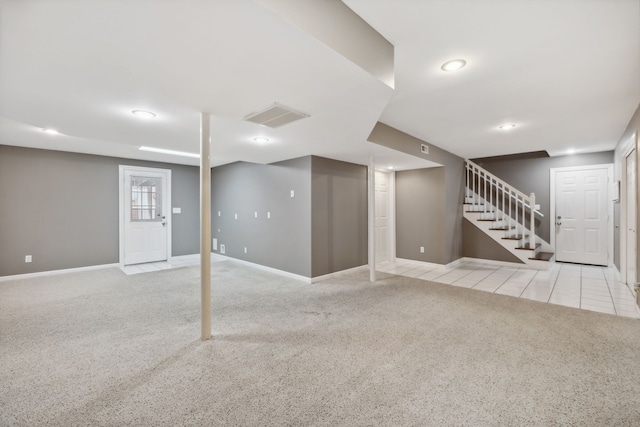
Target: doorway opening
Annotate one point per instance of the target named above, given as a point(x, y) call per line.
point(385, 222)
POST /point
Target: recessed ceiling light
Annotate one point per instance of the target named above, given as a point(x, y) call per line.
point(454, 65)
point(571, 151)
point(143, 114)
point(261, 139)
point(390, 168)
point(50, 131)
point(172, 152)
point(507, 126)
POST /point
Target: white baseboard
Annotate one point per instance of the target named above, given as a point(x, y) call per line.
point(449, 266)
point(54, 272)
point(618, 274)
point(214, 257)
point(265, 268)
point(459, 261)
point(337, 273)
point(288, 274)
point(498, 263)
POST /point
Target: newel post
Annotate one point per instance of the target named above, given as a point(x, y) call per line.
point(532, 238)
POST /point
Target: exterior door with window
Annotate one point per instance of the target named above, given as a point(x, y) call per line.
point(145, 216)
point(582, 222)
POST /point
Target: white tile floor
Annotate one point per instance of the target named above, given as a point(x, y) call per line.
point(579, 286)
point(183, 261)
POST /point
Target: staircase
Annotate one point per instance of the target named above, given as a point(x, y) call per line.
point(506, 215)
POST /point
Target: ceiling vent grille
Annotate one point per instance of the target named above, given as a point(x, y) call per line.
point(275, 116)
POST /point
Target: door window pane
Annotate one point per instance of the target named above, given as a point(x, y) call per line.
point(146, 199)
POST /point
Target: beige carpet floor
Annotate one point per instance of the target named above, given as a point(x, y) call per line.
point(101, 348)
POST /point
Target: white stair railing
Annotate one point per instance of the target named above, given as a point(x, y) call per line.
point(506, 204)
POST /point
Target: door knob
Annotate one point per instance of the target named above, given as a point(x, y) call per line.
point(559, 220)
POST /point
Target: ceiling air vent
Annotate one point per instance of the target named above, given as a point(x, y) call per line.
point(275, 116)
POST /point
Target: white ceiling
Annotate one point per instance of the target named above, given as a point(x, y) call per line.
point(566, 71)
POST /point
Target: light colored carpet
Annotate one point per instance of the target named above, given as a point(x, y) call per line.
point(102, 348)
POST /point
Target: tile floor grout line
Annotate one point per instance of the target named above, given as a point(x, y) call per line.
point(610, 294)
point(580, 301)
point(555, 283)
point(528, 283)
point(472, 271)
point(506, 280)
point(490, 275)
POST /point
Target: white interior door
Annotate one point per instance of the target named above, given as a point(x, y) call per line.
point(145, 216)
point(630, 163)
point(582, 216)
point(382, 217)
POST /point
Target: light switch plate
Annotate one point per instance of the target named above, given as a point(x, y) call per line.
point(177, 210)
point(293, 194)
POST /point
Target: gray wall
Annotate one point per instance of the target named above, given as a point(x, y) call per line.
point(338, 216)
point(323, 229)
point(282, 242)
point(532, 176)
point(62, 208)
point(478, 245)
point(420, 216)
point(452, 185)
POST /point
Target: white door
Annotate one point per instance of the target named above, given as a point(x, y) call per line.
point(631, 218)
point(582, 216)
point(145, 215)
point(382, 217)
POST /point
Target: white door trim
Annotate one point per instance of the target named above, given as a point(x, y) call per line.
point(629, 146)
point(121, 195)
point(552, 196)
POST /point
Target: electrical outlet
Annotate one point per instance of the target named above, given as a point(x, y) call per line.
point(268, 215)
point(421, 249)
point(255, 214)
point(293, 194)
point(214, 244)
point(245, 249)
point(219, 213)
point(236, 216)
point(221, 249)
point(28, 258)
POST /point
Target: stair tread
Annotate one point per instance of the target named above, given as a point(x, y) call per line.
point(486, 219)
point(516, 237)
point(543, 256)
point(526, 248)
point(505, 228)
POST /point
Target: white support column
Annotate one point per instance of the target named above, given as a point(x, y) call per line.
point(205, 224)
point(371, 221)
